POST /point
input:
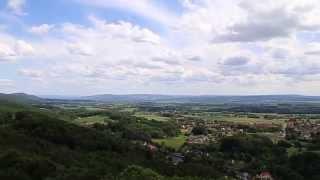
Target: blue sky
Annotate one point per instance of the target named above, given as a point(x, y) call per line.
point(84, 47)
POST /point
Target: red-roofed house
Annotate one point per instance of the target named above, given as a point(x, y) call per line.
point(265, 175)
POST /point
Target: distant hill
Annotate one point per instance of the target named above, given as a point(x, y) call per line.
point(20, 98)
point(129, 98)
point(155, 98)
point(210, 99)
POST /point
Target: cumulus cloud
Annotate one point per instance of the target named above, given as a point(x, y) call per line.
point(297, 68)
point(105, 51)
point(242, 64)
point(130, 31)
point(41, 29)
point(80, 49)
point(236, 61)
point(194, 58)
point(166, 60)
point(11, 49)
point(263, 25)
point(279, 53)
point(210, 45)
point(6, 52)
point(16, 6)
point(120, 30)
point(313, 53)
point(23, 48)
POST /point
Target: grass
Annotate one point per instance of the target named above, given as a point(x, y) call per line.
point(152, 116)
point(92, 120)
point(175, 142)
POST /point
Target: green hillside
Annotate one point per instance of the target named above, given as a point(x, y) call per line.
point(20, 98)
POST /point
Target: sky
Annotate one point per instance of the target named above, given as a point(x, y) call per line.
point(194, 47)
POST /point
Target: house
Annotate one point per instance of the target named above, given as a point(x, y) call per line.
point(291, 123)
point(200, 139)
point(265, 175)
point(152, 148)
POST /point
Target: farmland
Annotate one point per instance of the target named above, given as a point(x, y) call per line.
point(92, 120)
point(151, 116)
point(173, 142)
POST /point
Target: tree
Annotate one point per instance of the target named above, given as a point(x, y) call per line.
point(307, 164)
point(139, 173)
point(200, 130)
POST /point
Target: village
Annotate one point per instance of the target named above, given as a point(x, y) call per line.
point(201, 132)
point(210, 131)
point(301, 129)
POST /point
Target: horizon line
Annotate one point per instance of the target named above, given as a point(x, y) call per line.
point(158, 94)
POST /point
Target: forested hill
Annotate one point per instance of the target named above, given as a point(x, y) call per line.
point(37, 146)
point(208, 99)
point(20, 98)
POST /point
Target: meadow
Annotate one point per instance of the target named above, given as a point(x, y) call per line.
point(99, 119)
point(151, 116)
point(172, 142)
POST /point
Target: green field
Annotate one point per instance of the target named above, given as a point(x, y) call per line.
point(92, 120)
point(175, 142)
point(128, 109)
point(151, 116)
point(94, 109)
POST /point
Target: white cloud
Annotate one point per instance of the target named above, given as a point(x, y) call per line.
point(236, 61)
point(6, 52)
point(12, 49)
point(261, 48)
point(23, 48)
point(80, 49)
point(124, 29)
point(31, 73)
point(16, 6)
point(261, 25)
point(41, 29)
point(6, 83)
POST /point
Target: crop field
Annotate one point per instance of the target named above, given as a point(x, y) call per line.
point(175, 142)
point(151, 116)
point(92, 120)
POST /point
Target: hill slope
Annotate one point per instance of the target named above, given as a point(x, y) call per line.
point(20, 98)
